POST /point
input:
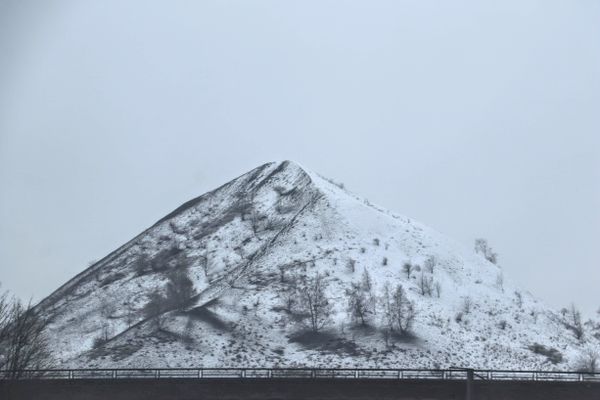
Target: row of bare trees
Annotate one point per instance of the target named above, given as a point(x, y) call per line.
point(306, 297)
point(397, 311)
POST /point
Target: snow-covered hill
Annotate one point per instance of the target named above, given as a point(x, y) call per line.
point(246, 244)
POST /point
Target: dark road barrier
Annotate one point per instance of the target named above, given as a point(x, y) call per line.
point(296, 383)
point(294, 389)
point(302, 373)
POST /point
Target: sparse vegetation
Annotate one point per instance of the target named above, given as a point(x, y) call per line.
point(429, 264)
point(482, 247)
point(351, 265)
point(588, 361)
point(361, 300)
point(313, 302)
point(23, 343)
point(179, 290)
point(553, 355)
point(500, 281)
point(467, 305)
point(407, 268)
point(398, 310)
point(519, 299)
point(572, 321)
point(425, 283)
point(438, 289)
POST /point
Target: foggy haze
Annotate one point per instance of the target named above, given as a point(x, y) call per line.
point(478, 119)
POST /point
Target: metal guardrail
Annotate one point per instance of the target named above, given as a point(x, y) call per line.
point(302, 373)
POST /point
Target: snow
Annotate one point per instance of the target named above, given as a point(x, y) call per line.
point(233, 242)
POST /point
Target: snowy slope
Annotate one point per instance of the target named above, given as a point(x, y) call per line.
point(235, 241)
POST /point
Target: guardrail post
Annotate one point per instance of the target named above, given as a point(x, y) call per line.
point(243, 374)
point(469, 394)
point(270, 373)
point(355, 374)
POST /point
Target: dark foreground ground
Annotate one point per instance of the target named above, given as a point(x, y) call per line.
point(266, 389)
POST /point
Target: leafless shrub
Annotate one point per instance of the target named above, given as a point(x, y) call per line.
point(467, 305)
point(459, 317)
point(500, 281)
point(519, 298)
point(351, 265)
point(482, 247)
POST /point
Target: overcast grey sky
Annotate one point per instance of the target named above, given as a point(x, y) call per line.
point(478, 118)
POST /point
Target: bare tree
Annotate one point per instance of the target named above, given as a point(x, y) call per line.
point(313, 301)
point(429, 264)
point(386, 306)
point(403, 310)
point(357, 308)
point(366, 282)
point(425, 284)
point(23, 343)
point(407, 268)
point(398, 310)
point(438, 289)
point(572, 321)
point(361, 301)
point(482, 247)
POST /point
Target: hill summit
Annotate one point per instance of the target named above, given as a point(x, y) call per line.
point(282, 267)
